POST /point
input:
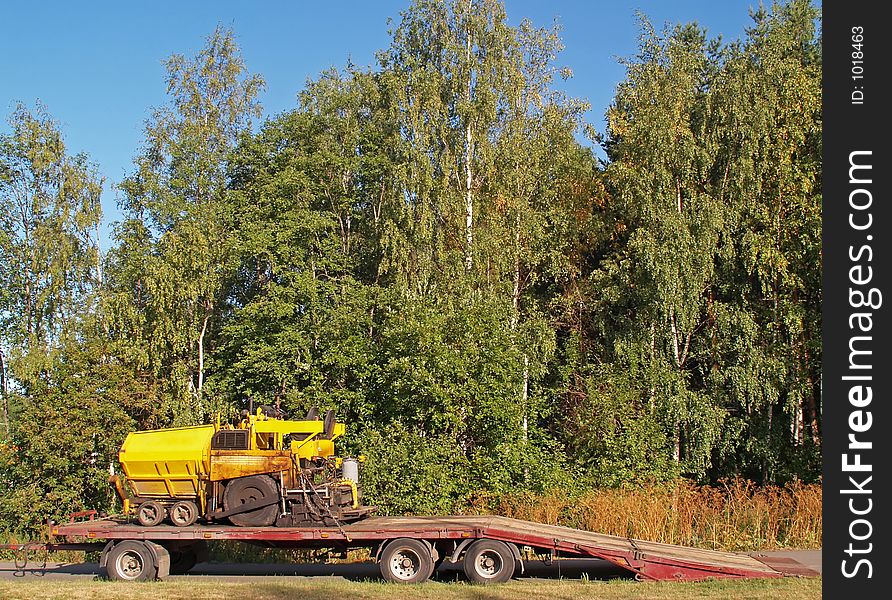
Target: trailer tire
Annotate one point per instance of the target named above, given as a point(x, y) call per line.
point(131, 561)
point(185, 555)
point(182, 561)
point(489, 561)
point(405, 560)
point(150, 513)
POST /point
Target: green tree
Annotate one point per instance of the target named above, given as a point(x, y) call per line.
point(488, 156)
point(49, 255)
point(450, 64)
point(69, 426)
point(174, 249)
point(307, 199)
point(662, 160)
point(715, 277)
point(768, 123)
point(70, 401)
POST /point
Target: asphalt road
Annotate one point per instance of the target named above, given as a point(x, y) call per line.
point(566, 568)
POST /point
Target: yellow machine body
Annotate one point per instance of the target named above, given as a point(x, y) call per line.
point(269, 434)
point(177, 463)
point(167, 463)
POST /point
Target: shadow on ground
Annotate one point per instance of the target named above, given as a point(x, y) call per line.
point(592, 569)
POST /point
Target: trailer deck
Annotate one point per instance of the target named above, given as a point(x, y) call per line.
point(646, 560)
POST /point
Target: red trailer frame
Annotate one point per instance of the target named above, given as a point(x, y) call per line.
point(408, 548)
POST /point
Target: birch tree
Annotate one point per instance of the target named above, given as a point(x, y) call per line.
point(715, 170)
point(49, 256)
point(175, 245)
point(450, 63)
point(663, 164)
point(767, 117)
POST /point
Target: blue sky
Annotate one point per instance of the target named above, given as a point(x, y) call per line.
point(97, 66)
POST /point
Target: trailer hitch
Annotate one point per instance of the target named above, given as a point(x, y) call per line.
point(22, 554)
point(21, 558)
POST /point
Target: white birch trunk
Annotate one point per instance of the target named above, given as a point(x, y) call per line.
point(525, 394)
point(469, 200)
point(4, 390)
point(200, 386)
point(515, 293)
point(653, 384)
point(676, 449)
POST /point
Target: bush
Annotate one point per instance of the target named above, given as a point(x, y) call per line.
point(410, 472)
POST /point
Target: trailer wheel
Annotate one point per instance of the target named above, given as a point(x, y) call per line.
point(131, 561)
point(182, 561)
point(184, 556)
point(150, 513)
point(489, 561)
point(405, 560)
point(183, 513)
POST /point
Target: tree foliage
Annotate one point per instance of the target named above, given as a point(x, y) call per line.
point(49, 214)
point(715, 164)
point(174, 248)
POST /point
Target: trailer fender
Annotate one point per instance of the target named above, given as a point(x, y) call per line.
point(103, 558)
point(160, 556)
point(459, 549)
point(516, 552)
point(162, 559)
point(456, 554)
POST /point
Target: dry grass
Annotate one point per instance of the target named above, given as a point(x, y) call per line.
point(735, 516)
point(195, 588)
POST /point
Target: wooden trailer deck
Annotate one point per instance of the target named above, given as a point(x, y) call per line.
point(647, 560)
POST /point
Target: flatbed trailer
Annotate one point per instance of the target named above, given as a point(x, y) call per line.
point(490, 549)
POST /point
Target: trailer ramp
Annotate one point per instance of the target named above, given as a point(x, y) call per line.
point(647, 560)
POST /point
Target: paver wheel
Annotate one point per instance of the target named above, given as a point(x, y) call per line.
point(248, 489)
point(489, 561)
point(405, 560)
point(183, 513)
point(150, 513)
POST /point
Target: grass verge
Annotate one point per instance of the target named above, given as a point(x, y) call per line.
point(197, 588)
